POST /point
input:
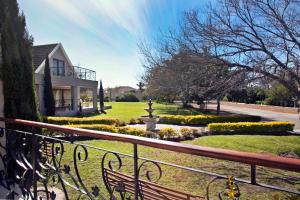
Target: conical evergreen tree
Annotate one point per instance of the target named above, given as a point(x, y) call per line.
point(48, 94)
point(101, 97)
point(16, 68)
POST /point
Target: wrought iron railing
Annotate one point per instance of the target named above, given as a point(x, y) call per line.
point(64, 104)
point(44, 165)
point(68, 104)
point(75, 72)
point(83, 73)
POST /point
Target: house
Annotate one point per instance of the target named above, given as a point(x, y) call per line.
point(119, 91)
point(74, 88)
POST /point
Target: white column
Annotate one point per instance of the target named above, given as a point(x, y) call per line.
point(95, 107)
point(75, 97)
point(2, 125)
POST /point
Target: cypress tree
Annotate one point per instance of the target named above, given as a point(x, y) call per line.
point(17, 75)
point(101, 97)
point(16, 68)
point(48, 94)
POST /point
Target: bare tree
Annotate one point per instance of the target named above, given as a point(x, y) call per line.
point(259, 36)
point(187, 76)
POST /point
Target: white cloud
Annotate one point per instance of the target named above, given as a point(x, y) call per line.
point(130, 15)
point(70, 11)
point(78, 15)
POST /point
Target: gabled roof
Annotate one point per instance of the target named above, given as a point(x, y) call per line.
point(40, 52)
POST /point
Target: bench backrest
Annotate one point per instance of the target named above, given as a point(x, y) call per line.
point(148, 190)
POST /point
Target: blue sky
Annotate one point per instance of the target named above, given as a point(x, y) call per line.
point(102, 35)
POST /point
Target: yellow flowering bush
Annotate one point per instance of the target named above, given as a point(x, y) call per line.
point(205, 119)
point(112, 129)
point(81, 120)
point(251, 127)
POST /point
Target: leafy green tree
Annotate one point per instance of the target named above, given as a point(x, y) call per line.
point(101, 97)
point(48, 93)
point(16, 64)
point(279, 95)
point(129, 97)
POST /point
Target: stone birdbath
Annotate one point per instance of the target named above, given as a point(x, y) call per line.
point(150, 120)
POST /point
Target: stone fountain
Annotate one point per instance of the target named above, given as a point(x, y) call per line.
point(150, 120)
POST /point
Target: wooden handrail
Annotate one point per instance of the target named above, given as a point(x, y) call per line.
point(272, 161)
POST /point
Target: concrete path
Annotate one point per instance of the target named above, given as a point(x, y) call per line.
point(266, 115)
point(176, 127)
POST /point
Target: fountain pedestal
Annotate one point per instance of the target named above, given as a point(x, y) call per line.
point(150, 120)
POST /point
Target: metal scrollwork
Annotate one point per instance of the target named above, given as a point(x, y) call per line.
point(150, 174)
point(113, 163)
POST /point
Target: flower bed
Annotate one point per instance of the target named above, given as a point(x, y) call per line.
point(205, 119)
point(164, 134)
point(251, 127)
point(112, 129)
point(82, 120)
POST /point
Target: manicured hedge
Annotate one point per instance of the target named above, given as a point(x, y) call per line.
point(82, 120)
point(164, 133)
point(251, 127)
point(205, 119)
point(112, 129)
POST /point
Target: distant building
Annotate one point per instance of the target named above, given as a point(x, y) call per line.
point(113, 93)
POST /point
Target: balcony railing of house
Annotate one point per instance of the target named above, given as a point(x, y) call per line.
point(75, 72)
point(64, 104)
point(68, 104)
point(83, 73)
point(63, 164)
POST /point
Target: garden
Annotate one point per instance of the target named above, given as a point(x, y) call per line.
point(234, 132)
point(189, 123)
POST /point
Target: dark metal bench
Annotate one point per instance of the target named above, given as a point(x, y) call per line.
point(117, 182)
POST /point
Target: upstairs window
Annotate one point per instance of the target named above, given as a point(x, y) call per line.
point(58, 68)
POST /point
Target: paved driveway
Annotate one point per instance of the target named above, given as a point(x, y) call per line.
point(266, 115)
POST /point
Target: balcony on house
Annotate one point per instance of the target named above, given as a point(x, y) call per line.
point(73, 71)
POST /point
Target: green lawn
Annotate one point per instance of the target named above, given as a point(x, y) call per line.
point(193, 182)
point(127, 110)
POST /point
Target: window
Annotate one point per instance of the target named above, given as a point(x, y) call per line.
point(58, 68)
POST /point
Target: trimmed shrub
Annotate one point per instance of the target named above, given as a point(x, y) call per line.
point(187, 133)
point(133, 121)
point(172, 119)
point(169, 134)
point(112, 129)
point(82, 120)
point(127, 98)
point(251, 127)
point(205, 119)
point(132, 131)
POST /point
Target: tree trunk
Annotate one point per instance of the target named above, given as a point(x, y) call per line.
point(218, 105)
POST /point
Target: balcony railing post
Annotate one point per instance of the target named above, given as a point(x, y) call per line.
point(136, 173)
point(253, 174)
point(34, 158)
